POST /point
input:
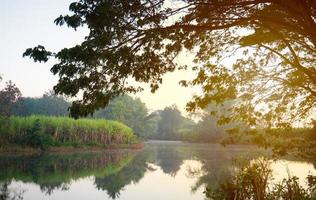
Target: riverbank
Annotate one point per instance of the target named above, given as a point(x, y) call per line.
point(18, 150)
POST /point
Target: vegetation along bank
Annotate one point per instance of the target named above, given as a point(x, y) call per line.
point(43, 132)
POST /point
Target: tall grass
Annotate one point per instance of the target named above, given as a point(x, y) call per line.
point(63, 130)
point(253, 182)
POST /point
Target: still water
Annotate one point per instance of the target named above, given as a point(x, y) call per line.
point(161, 170)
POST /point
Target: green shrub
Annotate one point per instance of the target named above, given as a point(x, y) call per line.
point(37, 139)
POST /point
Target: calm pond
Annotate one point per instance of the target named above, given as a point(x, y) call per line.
point(161, 170)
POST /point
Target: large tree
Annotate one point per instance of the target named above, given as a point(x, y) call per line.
point(169, 123)
point(272, 44)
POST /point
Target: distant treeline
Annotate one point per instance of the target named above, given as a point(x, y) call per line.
point(49, 104)
point(166, 124)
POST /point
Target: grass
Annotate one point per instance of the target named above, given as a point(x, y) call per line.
point(43, 131)
point(253, 181)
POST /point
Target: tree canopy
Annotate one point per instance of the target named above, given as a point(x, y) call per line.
point(130, 111)
point(8, 96)
point(272, 44)
point(49, 104)
point(169, 123)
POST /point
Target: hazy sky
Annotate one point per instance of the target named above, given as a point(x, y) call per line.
point(27, 23)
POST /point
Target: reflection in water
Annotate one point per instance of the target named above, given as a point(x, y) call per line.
point(169, 159)
point(131, 173)
point(160, 170)
point(57, 171)
point(7, 193)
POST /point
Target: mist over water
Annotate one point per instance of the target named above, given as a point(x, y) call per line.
point(161, 170)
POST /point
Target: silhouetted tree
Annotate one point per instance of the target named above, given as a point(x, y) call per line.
point(140, 39)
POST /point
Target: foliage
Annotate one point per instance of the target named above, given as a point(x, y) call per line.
point(292, 190)
point(274, 61)
point(130, 111)
point(8, 96)
point(49, 104)
point(37, 139)
point(170, 120)
point(208, 129)
point(187, 129)
point(252, 182)
point(42, 131)
point(301, 141)
point(294, 141)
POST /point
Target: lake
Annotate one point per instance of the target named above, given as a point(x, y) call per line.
point(161, 170)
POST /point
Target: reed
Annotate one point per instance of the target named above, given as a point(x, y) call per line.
point(253, 181)
point(31, 130)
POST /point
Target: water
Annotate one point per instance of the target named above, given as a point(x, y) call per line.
point(162, 170)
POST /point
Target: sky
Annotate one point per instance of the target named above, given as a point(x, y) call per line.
point(25, 24)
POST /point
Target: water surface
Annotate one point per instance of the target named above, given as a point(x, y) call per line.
point(161, 170)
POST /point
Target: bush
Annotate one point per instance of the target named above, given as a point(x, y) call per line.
point(37, 139)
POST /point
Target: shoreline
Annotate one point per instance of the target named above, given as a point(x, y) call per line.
point(18, 150)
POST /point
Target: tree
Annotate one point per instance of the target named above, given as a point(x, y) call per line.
point(207, 129)
point(169, 123)
point(8, 96)
point(49, 104)
point(130, 111)
point(273, 78)
point(213, 122)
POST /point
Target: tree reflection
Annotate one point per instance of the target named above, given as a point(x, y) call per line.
point(49, 188)
point(57, 171)
point(113, 171)
point(216, 161)
point(130, 173)
point(7, 193)
point(169, 159)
